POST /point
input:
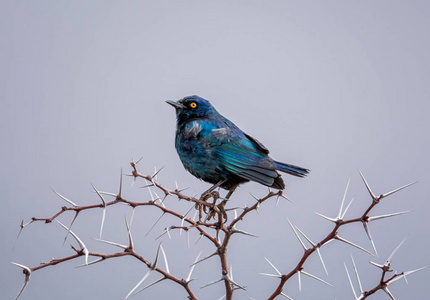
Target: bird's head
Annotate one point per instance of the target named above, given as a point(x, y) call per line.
point(192, 107)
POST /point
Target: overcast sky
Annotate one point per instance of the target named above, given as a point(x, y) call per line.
point(334, 86)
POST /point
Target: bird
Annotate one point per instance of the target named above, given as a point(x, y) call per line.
point(215, 150)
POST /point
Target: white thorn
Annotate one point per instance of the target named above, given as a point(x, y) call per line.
point(350, 281)
point(388, 215)
point(327, 218)
point(404, 274)
point(155, 223)
point(352, 244)
point(81, 244)
point(154, 265)
point(64, 198)
point(282, 294)
point(204, 258)
point(300, 281)
point(377, 265)
point(347, 207)
point(366, 228)
point(130, 238)
point(139, 283)
point(394, 252)
point(273, 266)
point(367, 186)
point(356, 275)
point(321, 259)
point(316, 278)
point(90, 263)
point(111, 243)
point(270, 275)
point(27, 273)
point(211, 283)
point(343, 199)
point(298, 237)
point(192, 268)
point(149, 285)
point(387, 291)
point(301, 232)
point(396, 190)
point(165, 258)
point(104, 209)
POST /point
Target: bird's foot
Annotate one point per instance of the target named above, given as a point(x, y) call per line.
point(203, 208)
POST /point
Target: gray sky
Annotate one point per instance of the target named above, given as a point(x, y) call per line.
point(334, 86)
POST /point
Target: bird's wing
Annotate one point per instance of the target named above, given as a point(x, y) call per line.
point(242, 155)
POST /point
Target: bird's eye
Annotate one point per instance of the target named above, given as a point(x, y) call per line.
point(193, 104)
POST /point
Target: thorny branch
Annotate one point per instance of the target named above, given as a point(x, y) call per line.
point(220, 241)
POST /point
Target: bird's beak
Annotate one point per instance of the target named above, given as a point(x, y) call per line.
point(175, 104)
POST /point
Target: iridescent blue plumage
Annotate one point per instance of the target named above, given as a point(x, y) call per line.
point(215, 150)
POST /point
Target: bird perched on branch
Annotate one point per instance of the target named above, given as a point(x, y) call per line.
point(215, 150)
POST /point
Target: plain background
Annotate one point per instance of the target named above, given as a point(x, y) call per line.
point(334, 86)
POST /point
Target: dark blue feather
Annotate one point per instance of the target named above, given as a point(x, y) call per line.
point(214, 149)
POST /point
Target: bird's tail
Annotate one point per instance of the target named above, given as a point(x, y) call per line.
point(291, 169)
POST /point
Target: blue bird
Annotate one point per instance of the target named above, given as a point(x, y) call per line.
point(214, 149)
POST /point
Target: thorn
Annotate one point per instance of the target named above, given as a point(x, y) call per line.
point(104, 209)
point(192, 267)
point(404, 274)
point(156, 173)
point(273, 266)
point(366, 228)
point(165, 258)
point(120, 186)
point(111, 243)
point(243, 232)
point(132, 216)
point(70, 226)
point(368, 187)
point(138, 160)
point(352, 244)
point(343, 199)
point(281, 194)
point(211, 283)
point(149, 285)
point(27, 271)
point(297, 236)
point(316, 278)
point(81, 244)
point(270, 275)
point(232, 282)
point(350, 281)
point(396, 190)
point(19, 233)
point(64, 198)
point(139, 283)
point(310, 242)
point(327, 218)
point(387, 291)
point(377, 265)
point(155, 223)
point(388, 262)
point(321, 259)
point(346, 209)
point(130, 238)
point(388, 215)
point(91, 263)
point(209, 256)
point(356, 275)
point(282, 294)
point(300, 281)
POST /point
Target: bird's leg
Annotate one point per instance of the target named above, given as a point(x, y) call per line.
point(206, 195)
point(224, 202)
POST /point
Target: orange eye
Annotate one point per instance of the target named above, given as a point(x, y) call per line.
point(193, 104)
